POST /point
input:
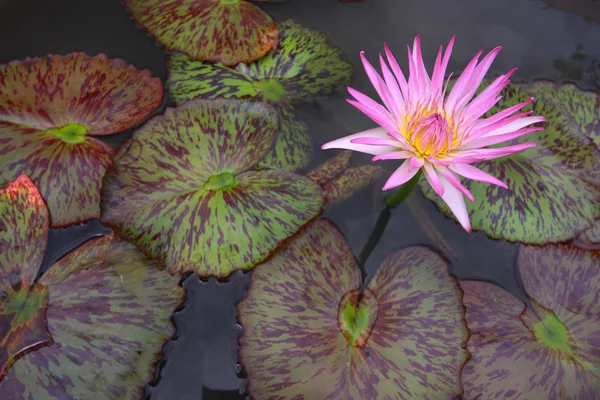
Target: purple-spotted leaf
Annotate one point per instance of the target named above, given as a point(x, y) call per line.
point(23, 235)
point(553, 189)
point(81, 330)
point(50, 106)
point(303, 67)
point(549, 352)
point(293, 145)
point(350, 182)
point(590, 237)
point(581, 107)
point(300, 69)
point(227, 31)
point(331, 169)
point(185, 191)
point(308, 335)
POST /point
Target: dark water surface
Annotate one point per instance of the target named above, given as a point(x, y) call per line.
point(541, 41)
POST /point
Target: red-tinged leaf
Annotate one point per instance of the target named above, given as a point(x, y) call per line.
point(307, 334)
point(88, 328)
point(549, 352)
point(23, 235)
point(185, 191)
point(351, 182)
point(48, 109)
point(331, 168)
point(230, 31)
point(589, 238)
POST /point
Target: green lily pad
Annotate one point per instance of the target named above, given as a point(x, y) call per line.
point(293, 145)
point(303, 67)
point(49, 110)
point(351, 182)
point(79, 331)
point(185, 191)
point(553, 189)
point(550, 351)
point(308, 334)
point(228, 31)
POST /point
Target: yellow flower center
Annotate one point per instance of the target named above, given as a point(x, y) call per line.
point(430, 133)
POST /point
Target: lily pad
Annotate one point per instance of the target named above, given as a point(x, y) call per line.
point(49, 110)
point(351, 182)
point(550, 351)
point(228, 31)
point(308, 334)
point(590, 236)
point(553, 189)
point(185, 191)
point(293, 145)
point(332, 168)
point(304, 66)
point(79, 331)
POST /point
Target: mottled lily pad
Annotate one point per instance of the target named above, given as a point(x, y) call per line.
point(49, 109)
point(80, 331)
point(293, 145)
point(308, 334)
point(228, 31)
point(590, 236)
point(550, 351)
point(303, 67)
point(185, 191)
point(339, 181)
point(553, 189)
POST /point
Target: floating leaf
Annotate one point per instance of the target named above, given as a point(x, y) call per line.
point(228, 31)
point(307, 334)
point(331, 169)
point(184, 190)
point(301, 68)
point(548, 352)
point(23, 235)
point(293, 145)
point(78, 332)
point(48, 110)
point(350, 182)
point(581, 107)
point(590, 236)
point(553, 189)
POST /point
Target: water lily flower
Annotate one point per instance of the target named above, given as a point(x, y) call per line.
point(442, 135)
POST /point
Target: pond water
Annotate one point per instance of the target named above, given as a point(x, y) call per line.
point(540, 38)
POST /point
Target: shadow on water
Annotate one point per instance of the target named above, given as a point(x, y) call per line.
point(200, 361)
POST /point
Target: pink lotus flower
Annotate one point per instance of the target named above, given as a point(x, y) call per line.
point(441, 134)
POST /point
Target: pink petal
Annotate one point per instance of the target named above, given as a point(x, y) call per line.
point(495, 139)
point(483, 123)
point(471, 172)
point(398, 104)
point(454, 181)
point(400, 176)
point(378, 83)
point(459, 86)
point(346, 142)
point(397, 155)
point(439, 70)
point(376, 117)
point(397, 71)
point(455, 200)
point(472, 156)
point(433, 179)
point(477, 77)
point(372, 109)
point(415, 163)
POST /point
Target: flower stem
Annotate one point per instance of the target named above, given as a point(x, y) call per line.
point(392, 201)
